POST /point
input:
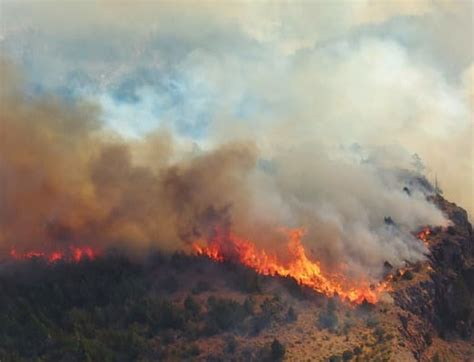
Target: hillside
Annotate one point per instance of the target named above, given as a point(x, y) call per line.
point(184, 307)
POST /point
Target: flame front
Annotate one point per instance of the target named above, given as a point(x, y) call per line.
point(299, 267)
point(73, 254)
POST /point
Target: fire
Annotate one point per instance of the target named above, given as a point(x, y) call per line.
point(423, 235)
point(299, 267)
point(80, 253)
point(73, 254)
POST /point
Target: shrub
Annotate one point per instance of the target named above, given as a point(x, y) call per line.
point(231, 345)
point(365, 307)
point(358, 350)
point(192, 306)
point(193, 350)
point(249, 305)
point(451, 230)
point(170, 316)
point(249, 282)
point(179, 260)
point(348, 324)
point(347, 355)
point(278, 350)
point(331, 306)
point(328, 320)
point(372, 322)
point(170, 284)
point(408, 275)
point(404, 321)
point(379, 333)
point(225, 313)
point(201, 286)
point(271, 307)
point(291, 315)
point(270, 310)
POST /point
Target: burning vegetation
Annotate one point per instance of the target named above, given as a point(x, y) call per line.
point(298, 266)
point(72, 254)
point(423, 235)
point(225, 246)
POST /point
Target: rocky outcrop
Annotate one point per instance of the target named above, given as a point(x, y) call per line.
point(443, 294)
point(452, 258)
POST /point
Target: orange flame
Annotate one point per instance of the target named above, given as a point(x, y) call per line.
point(423, 235)
point(306, 272)
point(74, 254)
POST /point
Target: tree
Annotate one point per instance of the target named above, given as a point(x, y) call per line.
point(328, 319)
point(192, 306)
point(347, 355)
point(417, 163)
point(278, 350)
point(291, 315)
point(249, 305)
point(225, 313)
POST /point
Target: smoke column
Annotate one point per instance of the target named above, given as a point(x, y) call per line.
point(66, 179)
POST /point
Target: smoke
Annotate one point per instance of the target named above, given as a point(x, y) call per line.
point(65, 179)
point(385, 74)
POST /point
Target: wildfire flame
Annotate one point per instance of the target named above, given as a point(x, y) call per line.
point(299, 267)
point(73, 254)
point(423, 235)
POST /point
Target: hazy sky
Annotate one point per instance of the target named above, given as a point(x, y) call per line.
point(390, 76)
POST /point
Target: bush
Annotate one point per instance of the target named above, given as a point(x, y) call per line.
point(348, 324)
point(170, 316)
point(193, 350)
point(379, 333)
point(451, 230)
point(179, 260)
point(231, 345)
point(328, 320)
point(404, 321)
point(408, 275)
point(347, 355)
point(372, 322)
point(271, 307)
point(249, 305)
point(270, 311)
point(249, 282)
point(192, 306)
point(278, 350)
point(331, 306)
point(291, 315)
point(225, 313)
point(170, 284)
point(201, 286)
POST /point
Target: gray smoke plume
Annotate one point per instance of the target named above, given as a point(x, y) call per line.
point(65, 179)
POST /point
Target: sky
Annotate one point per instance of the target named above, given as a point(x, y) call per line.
point(386, 83)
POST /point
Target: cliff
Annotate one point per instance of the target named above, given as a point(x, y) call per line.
point(438, 297)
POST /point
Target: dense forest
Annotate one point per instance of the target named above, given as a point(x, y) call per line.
point(113, 308)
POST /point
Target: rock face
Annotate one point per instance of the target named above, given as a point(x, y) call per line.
point(442, 295)
point(452, 258)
